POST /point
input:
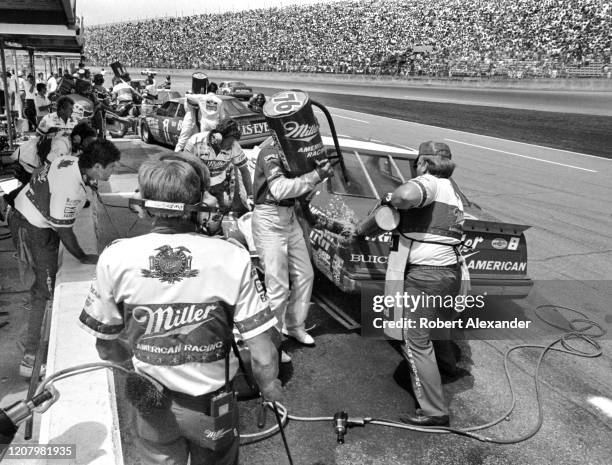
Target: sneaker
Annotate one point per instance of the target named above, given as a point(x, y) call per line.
point(300, 335)
point(285, 358)
point(26, 367)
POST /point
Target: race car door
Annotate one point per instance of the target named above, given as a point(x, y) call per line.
point(169, 121)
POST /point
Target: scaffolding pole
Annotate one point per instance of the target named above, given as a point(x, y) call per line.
point(7, 98)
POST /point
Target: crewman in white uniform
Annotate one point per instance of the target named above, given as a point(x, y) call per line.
point(175, 296)
point(44, 214)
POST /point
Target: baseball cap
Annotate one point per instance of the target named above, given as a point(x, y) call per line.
point(435, 148)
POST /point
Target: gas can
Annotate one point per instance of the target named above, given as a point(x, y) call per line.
point(199, 82)
point(296, 130)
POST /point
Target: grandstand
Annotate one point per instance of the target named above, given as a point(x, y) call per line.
point(474, 38)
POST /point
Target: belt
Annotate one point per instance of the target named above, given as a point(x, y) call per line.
point(455, 266)
point(282, 203)
point(200, 403)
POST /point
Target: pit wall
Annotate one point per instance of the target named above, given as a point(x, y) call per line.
point(86, 413)
point(576, 84)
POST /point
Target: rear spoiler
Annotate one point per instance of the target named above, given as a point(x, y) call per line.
point(494, 227)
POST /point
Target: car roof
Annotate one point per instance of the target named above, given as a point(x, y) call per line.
point(373, 146)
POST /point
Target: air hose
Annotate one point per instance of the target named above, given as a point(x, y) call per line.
point(576, 333)
point(342, 421)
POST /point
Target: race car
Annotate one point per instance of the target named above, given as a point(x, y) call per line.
point(147, 71)
point(236, 89)
point(495, 252)
point(164, 124)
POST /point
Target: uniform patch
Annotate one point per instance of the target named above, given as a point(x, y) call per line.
point(170, 265)
point(65, 164)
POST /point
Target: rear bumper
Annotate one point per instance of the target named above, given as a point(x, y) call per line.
point(490, 286)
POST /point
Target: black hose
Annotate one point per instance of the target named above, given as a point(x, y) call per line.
point(282, 431)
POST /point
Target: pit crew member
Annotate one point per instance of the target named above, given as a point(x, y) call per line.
point(178, 322)
point(103, 98)
point(208, 106)
point(150, 89)
point(44, 214)
point(280, 243)
point(123, 92)
point(28, 160)
point(59, 122)
point(81, 136)
point(424, 259)
point(220, 151)
point(257, 102)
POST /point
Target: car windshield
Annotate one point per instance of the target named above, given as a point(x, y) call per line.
point(234, 108)
point(370, 175)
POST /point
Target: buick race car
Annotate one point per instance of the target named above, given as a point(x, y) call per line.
point(236, 89)
point(164, 124)
point(495, 252)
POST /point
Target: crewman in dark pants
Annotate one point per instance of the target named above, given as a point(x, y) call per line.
point(44, 214)
point(425, 259)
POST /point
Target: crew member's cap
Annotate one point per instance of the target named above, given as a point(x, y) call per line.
point(435, 148)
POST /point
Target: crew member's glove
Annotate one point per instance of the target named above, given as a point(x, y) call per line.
point(273, 392)
point(386, 199)
point(324, 169)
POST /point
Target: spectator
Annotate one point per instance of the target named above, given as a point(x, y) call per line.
point(469, 37)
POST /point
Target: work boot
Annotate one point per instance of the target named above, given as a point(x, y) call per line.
point(418, 419)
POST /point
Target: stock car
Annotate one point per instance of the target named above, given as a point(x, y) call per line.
point(236, 89)
point(495, 252)
point(164, 123)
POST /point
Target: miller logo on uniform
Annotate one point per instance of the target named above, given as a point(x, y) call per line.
point(170, 265)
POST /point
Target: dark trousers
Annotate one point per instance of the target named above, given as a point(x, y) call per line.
point(29, 112)
point(418, 348)
point(39, 248)
point(177, 433)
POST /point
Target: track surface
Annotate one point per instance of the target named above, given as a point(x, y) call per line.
point(565, 197)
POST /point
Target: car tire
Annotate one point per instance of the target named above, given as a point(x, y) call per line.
point(145, 133)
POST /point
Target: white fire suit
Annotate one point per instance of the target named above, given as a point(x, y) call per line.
point(279, 239)
point(209, 107)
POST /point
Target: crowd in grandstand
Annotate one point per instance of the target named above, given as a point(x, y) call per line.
point(420, 37)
